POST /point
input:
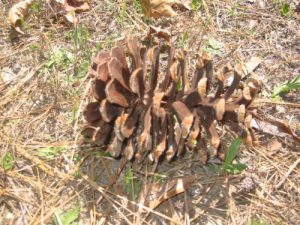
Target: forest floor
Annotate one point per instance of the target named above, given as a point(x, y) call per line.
point(47, 177)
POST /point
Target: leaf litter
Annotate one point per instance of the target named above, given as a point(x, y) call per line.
point(162, 8)
point(17, 13)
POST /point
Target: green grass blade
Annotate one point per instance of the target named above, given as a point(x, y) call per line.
point(68, 217)
point(285, 88)
point(235, 168)
point(7, 162)
point(232, 152)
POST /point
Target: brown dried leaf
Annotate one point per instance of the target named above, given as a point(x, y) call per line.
point(271, 125)
point(71, 7)
point(158, 8)
point(156, 193)
point(76, 5)
point(273, 145)
point(17, 13)
point(161, 33)
point(251, 65)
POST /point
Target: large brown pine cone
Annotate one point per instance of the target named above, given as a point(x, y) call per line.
point(147, 108)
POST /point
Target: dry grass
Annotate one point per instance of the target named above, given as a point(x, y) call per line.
point(41, 117)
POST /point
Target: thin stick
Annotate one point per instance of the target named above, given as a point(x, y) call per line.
point(288, 173)
point(86, 91)
point(267, 101)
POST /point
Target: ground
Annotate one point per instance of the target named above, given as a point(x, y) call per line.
point(47, 176)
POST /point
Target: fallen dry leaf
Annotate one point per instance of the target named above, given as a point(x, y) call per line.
point(271, 125)
point(251, 65)
point(71, 7)
point(76, 5)
point(17, 13)
point(161, 33)
point(154, 194)
point(158, 8)
point(273, 145)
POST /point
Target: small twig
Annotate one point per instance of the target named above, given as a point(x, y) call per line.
point(6, 98)
point(292, 167)
point(267, 101)
point(135, 23)
point(77, 116)
point(43, 166)
point(206, 10)
point(186, 209)
point(174, 214)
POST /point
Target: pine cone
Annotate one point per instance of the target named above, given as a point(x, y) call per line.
point(141, 111)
